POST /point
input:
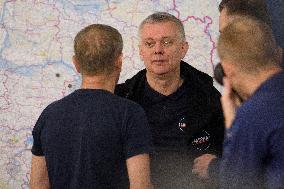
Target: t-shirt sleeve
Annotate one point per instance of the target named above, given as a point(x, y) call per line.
point(137, 136)
point(37, 145)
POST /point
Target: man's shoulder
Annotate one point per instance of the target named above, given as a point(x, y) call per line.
point(61, 102)
point(196, 75)
point(131, 85)
point(54, 109)
point(200, 82)
point(268, 98)
point(262, 111)
point(53, 106)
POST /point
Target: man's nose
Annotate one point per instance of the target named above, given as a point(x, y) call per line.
point(159, 49)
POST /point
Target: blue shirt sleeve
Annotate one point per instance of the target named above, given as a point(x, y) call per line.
point(37, 145)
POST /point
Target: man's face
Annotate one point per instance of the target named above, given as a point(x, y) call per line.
point(161, 48)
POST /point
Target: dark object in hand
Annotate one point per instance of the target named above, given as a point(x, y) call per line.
point(219, 73)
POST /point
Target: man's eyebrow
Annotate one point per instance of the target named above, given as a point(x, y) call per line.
point(165, 37)
point(168, 37)
point(149, 38)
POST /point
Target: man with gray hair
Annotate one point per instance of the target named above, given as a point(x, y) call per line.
point(93, 138)
point(181, 104)
point(254, 146)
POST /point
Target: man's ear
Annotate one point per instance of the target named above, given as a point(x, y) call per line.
point(184, 49)
point(141, 52)
point(76, 64)
point(118, 62)
point(229, 69)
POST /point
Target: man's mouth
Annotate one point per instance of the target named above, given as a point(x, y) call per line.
point(158, 61)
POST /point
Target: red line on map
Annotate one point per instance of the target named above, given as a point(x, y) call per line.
point(203, 20)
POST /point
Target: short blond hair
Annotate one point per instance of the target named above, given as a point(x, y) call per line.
point(96, 49)
point(248, 43)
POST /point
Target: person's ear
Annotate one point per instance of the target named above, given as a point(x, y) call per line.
point(76, 64)
point(228, 68)
point(118, 62)
point(184, 49)
point(141, 52)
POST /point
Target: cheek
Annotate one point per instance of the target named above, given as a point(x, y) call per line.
point(176, 54)
point(144, 54)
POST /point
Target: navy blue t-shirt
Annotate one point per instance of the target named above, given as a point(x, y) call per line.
point(86, 138)
point(253, 154)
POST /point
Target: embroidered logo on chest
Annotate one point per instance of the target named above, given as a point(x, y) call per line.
point(201, 141)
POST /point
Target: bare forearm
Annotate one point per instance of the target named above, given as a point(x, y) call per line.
point(141, 186)
point(139, 172)
point(39, 185)
point(39, 176)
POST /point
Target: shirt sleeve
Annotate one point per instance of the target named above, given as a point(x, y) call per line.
point(37, 145)
point(137, 136)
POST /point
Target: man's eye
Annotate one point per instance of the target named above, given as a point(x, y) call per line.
point(149, 44)
point(167, 43)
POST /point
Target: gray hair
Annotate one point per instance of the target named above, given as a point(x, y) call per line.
point(159, 17)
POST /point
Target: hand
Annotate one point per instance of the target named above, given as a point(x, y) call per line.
point(201, 164)
point(230, 102)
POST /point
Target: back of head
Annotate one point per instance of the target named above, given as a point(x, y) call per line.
point(249, 44)
point(160, 17)
point(253, 8)
point(97, 47)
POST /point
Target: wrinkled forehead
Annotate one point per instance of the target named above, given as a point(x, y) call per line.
point(158, 30)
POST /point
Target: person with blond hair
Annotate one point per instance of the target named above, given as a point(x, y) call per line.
point(253, 154)
point(92, 138)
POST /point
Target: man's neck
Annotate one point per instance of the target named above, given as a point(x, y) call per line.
point(165, 84)
point(253, 82)
point(99, 82)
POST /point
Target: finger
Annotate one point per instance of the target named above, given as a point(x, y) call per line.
point(195, 171)
point(195, 166)
point(228, 103)
point(196, 160)
point(227, 88)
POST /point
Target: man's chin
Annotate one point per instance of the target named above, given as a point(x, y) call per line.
point(160, 71)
